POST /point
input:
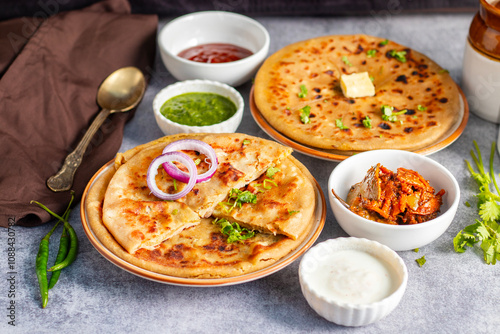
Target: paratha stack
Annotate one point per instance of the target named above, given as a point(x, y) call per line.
point(307, 74)
point(182, 238)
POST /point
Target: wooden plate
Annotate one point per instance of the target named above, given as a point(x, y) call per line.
point(335, 155)
point(318, 223)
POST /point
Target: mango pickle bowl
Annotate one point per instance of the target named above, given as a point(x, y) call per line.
point(170, 127)
point(208, 27)
point(398, 237)
point(352, 281)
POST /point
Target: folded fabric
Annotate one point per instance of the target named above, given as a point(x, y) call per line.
point(50, 72)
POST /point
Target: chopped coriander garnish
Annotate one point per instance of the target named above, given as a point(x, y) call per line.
point(467, 204)
point(197, 161)
point(265, 184)
point(421, 108)
point(271, 171)
point(246, 142)
point(346, 61)
point(416, 250)
point(233, 230)
point(325, 101)
point(304, 114)
point(288, 108)
point(303, 91)
point(414, 116)
point(371, 53)
point(372, 78)
point(340, 124)
point(421, 261)
point(236, 197)
point(367, 122)
point(384, 42)
point(292, 212)
point(175, 184)
point(175, 211)
point(399, 55)
point(389, 115)
point(443, 71)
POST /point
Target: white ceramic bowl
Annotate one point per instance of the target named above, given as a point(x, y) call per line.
point(213, 27)
point(319, 258)
point(399, 238)
point(170, 128)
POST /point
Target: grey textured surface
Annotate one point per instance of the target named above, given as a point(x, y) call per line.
point(451, 293)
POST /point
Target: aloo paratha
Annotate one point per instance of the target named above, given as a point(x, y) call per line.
point(201, 250)
point(404, 79)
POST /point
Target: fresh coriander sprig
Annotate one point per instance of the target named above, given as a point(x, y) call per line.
point(389, 115)
point(487, 230)
point(339, 124)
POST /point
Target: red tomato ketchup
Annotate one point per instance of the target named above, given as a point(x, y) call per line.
point(215, 53)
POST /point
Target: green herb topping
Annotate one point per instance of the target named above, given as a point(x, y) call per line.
point(233, 230)
point(346, 61)
point(389, 115)
point(292, 212)
point(237, 197)
point(340, 124)
point(421, 261)
point(303, 91)
point(486, 230)
point(399, 55)
point(197, 161)
point(384, 42)
point(367, 122)
point(246, 142)
point(421, 108)
point(443, 71)
point(271, 171)
point(304, 114)
point(371, 53)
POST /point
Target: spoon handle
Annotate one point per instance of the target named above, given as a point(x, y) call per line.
point(63, 179)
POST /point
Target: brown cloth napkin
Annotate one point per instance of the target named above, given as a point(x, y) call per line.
point(50, 72)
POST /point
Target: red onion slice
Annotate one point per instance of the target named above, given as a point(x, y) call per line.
point(167, 158)
point(194, 145)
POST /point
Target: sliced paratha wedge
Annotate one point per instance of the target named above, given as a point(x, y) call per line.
point(145, 224)
point(285, 201)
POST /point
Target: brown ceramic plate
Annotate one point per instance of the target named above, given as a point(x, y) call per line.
point(318, 223)
point(335, 155)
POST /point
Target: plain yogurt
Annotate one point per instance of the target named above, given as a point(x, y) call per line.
point(353, 276)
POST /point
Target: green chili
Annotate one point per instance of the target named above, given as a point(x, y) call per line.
point(41, 266)
point(73, 249)
point(61, 255)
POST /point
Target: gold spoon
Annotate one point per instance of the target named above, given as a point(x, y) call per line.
point(121, 91)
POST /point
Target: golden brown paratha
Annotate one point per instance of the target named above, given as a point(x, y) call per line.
point(199, 251)
point(413, 83)
point(283, 202)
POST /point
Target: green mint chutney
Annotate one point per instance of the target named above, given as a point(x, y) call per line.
point(198, 109)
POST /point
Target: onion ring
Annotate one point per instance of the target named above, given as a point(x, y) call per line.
point(195, 145)
point(167, 158)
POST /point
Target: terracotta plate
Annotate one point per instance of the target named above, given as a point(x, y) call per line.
point(335, 155)
point(319, 221)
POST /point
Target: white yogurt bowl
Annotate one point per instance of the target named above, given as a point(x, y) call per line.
point(213, 27)
point(352, 281)
point(397, 237)
point(169, 127)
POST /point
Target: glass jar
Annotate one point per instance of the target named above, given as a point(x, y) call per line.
point(481, 67)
